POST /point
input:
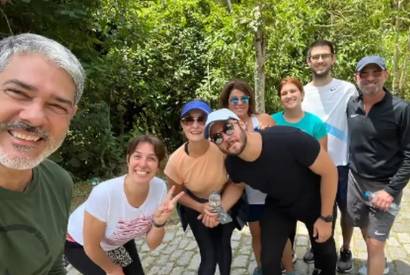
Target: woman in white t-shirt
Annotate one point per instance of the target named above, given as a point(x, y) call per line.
point(101, 231)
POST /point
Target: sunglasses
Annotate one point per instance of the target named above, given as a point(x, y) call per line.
point(235, 100)
point(189, 120)
point(218, 138)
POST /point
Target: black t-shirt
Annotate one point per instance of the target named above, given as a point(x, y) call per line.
point(282, 170)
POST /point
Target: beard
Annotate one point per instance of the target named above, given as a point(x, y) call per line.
point(321, 74)
point(242, 144)
point(21, 162)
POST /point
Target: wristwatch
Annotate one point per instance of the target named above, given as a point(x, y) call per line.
point(326, 218)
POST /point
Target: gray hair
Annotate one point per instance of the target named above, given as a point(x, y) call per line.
point(52, 50)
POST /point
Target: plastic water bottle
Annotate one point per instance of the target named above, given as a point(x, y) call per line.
point(393, 209)
point(216, 206)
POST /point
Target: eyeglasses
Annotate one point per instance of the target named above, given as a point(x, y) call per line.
point(235, 100)
point(218, 138)
point(189, 120)
point(324, 56)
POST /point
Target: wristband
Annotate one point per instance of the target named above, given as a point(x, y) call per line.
point(158, 225)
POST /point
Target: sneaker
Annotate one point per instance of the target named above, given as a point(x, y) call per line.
point(309, 258)
point(344, 263)
point(257, 271)
point(363, 269)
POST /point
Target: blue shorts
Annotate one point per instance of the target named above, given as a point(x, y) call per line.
point(341, 196)
point(255, 212)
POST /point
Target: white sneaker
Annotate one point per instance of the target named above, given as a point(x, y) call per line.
point(363, 269)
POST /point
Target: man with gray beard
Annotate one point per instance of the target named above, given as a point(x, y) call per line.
point(41, 83)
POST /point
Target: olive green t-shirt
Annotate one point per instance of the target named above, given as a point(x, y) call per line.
point(33, 223)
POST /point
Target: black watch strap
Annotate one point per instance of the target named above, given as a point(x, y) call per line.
point(326, 218)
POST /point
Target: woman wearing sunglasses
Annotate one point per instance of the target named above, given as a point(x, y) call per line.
point(238, 96)
point(197, 167)
point(102, 230)
point(291, 96)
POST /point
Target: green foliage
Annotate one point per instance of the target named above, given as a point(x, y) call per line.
point(90, 148)
point(144, 59)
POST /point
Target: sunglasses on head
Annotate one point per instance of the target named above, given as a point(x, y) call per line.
point(235, 100)
point(218, 138)
point(189, 120)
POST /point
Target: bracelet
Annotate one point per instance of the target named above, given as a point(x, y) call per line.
point(158, 225)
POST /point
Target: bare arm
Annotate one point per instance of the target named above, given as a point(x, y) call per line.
point(93, 233)
point(186, 200)
point(231, 194)
point(161, 215)
point(265, 120)
point(324, 167)
point(208, 218)
point(323, 142)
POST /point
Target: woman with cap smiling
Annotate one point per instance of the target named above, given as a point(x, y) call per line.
point(197, 167)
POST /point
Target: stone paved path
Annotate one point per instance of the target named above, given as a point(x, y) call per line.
point(178, 254)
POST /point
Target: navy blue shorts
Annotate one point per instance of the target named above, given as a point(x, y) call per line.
point(341, 196)
point(255, 212)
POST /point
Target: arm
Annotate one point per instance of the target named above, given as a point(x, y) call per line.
point(323, 143)
point(186, 200)
point(208, 218)
point(402, 175)
point(93, 232)
point(231, 194)
point(324, 167)
point(385, 197)
point(265, 120)
point(161, 215)
point(57, 268)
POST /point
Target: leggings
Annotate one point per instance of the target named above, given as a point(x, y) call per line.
point(214, 244)
point(277, 223)
point(75, 254)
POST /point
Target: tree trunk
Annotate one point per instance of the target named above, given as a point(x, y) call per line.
point(404, 72)
point(260, 51)
point(396, 55)
point(228, 2)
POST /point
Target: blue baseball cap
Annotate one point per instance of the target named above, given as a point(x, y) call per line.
point(370, 59)
point(217, 116)
point(196, 104)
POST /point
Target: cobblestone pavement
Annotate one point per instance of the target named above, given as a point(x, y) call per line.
point(178, 254)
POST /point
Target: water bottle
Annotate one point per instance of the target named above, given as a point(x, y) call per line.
point(393, 209)
point(216, 206)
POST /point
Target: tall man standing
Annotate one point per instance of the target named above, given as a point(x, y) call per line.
point(297, 175)
point(327, 98)
point(41, 83)
point(379, 127)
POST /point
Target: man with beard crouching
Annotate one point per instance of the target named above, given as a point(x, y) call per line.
point(297, 175)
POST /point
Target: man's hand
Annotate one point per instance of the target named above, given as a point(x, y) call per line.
point(382, 200)
point(322, 230)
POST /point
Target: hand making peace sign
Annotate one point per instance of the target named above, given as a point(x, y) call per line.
point(163, 212)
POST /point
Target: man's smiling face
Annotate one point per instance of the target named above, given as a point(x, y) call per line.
point(36, 107)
